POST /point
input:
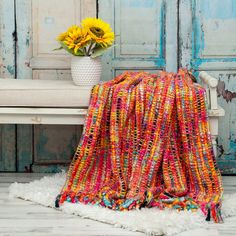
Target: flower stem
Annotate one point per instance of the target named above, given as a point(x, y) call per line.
point(85, 51)
point(89, 49)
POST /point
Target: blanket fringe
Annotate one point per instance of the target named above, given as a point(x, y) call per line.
point(214, 212)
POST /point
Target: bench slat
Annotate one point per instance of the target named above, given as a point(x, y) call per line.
point(43, 111)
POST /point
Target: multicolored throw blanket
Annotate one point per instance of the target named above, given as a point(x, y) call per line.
point(146, 143)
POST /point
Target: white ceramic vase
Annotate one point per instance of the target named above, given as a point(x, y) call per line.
point(86, 71)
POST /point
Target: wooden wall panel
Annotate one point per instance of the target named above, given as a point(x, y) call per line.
point(139, 36)
point(7, 44)
point(146, 35)
point(23, 55)
point(7, 70)
point(46, 143)
point(47, 22)
point(52, 74)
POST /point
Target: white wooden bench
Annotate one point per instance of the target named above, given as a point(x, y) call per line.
point(42, 102)
point(62, 102)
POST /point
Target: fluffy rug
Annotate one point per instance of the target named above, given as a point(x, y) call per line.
point(151, 221)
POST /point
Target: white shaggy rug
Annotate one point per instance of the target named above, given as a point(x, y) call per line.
point(150, 221)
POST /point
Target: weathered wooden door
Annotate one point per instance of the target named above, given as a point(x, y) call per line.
point(207, 39)
point(146, 35)
point(28, 30)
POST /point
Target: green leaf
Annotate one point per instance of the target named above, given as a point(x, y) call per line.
point(99, 51)
point(79, 53)
point(71, 51)
point(56, 49)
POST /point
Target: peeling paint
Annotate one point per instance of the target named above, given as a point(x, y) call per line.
point(11, 69)
point(225, 93)
point(27, 41)
point(7, 45)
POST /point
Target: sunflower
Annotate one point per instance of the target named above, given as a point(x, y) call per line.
point(63, 35)
point(99, 31)
point(76, 38)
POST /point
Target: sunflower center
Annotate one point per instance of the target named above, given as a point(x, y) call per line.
point(97, 31)
point(78, 40)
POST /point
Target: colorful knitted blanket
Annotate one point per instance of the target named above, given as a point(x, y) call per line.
point(146, 143)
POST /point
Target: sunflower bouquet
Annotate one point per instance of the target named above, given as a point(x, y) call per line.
point(92, 38)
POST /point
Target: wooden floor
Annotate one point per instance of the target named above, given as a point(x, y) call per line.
point(22, 218)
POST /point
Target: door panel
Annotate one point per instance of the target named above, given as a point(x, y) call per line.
point(47, 22)
point(129, 41)
point(145, 35)
point(207, 42)
point(54, 146)
point(213, 28)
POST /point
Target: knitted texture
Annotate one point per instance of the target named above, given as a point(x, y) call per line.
point(146, 143)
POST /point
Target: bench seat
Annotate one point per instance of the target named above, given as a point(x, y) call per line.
point(43, 102)
point(42, 93)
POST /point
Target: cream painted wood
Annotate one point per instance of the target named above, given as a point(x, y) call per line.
point(61, 116)
point(52, 74)
point(47, 93)
point(210, 83)
point(215, 111)
point(31, 219)
point(47, 22)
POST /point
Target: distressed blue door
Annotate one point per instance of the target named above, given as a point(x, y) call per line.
point(208, 42)
point(146, 35)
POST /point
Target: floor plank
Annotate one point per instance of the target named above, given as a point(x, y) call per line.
point(31, 219)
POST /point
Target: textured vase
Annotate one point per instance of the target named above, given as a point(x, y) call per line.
point(86, 71)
